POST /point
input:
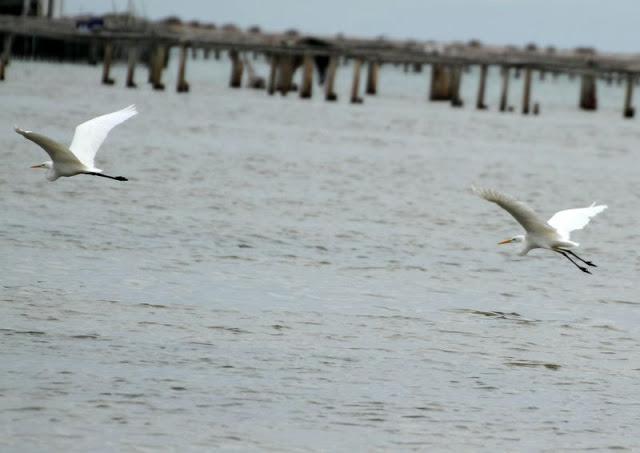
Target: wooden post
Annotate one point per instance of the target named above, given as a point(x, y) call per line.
point(526, 92)
point(253, 79)
point(236, 69)
point(158, 66)
point(93, 52)
point(285, 74)
point(480, 105)
point(307, 78)
point(372, 77)
point(588, 98)
point(273, 74)
point(50, 9)
point(629, 111)
point(131, 67)
point(329, 92)
point(355, 86)
point(504, 96)
point(6, 53)
point(182, 86)
point(106, 64)
point(456, 80)
point(440, 83)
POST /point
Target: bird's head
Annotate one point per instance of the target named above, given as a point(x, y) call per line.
point(518, 238)
point(47, 165)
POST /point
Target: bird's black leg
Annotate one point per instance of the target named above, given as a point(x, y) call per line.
point(583, 269)
point(588, 263)
point(117, 178)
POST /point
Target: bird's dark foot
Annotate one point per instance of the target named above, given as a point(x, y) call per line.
point(120, 178)
point(584, 269)
point(589, 263)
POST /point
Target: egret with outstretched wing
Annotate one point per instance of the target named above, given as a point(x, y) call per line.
point(553, 234)
point(79, 157)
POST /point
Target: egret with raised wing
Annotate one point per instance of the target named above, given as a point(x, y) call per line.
point(554, 234)
point(78, 158)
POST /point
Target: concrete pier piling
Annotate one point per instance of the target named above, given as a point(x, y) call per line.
point(456, 81)
point(329, 93)
point(157, 65)
point(588, 97)
point(285, 75)
point(106, 64)
point(7, 42)
point(504, 92)
point(526, 92)
point(480, 105)
point(306, 89)
point(355, 85)
point(629, 111)
point(182, 86)
point(273, 74)
point(253, 80)
point(372, 78)
point(237, 68)
point(131, 66)
point(93, 52)
point(440, 83)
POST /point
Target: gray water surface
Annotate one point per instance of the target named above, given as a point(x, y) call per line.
point(288, 275)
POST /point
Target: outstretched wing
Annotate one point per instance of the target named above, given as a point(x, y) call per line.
point(59, 153)
point(91, 134)
point(525, 216)
point(574, 219)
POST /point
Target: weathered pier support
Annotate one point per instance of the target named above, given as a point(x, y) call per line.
point(480, 105)
point(372, 77)
point(526, 92)
point(131, 66)
point(6, 53)
point(355, 86)
point(440, 83)
point(182, 86)
point(273, 74)
point(629, 111)
point(504, 94)
point(236, 69)
point(456, 81)
point(106, 64)
point(285, 75)
point(588, 97)
point(306, 89)
point(329, 92)
point(157, 63)
point(253, 80)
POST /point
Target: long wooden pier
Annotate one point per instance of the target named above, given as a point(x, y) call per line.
point(151, 43)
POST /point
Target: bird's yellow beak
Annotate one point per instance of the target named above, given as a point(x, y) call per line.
point(506, 241)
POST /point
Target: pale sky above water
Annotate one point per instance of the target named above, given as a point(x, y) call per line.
point(606, 25)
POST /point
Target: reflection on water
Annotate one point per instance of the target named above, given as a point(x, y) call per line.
point(296, 275)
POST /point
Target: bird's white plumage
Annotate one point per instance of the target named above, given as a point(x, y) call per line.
point(574, 219)
point(79, 157)
point(90, 135)
point(525, 216)
point(553, 234)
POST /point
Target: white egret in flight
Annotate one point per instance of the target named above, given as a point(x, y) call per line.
point(78, 158)
point(552, 234)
